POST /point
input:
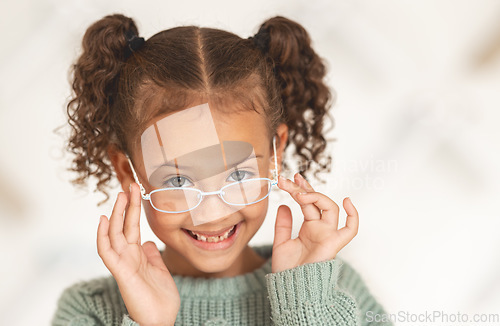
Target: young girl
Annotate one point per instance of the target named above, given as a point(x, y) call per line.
point(195, 121)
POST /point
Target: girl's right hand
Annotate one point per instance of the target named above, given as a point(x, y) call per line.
point(146, 286)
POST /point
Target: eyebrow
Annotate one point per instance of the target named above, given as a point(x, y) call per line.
point(175, 165)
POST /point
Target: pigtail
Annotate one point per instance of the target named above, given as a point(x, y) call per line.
point(120, 82)
point(305, 97)
point(94, 79)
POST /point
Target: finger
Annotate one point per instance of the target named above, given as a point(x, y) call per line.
point(301, 181)
point(104, 249)
point(131, 227)
point(283, 226)
point(153, 255)
point(310, 211)
point(118, 241)
point(349, 231)
point(329, 209)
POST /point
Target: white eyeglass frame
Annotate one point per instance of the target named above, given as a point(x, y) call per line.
point(145, 196)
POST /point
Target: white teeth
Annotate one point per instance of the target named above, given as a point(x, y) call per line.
point(203, 238)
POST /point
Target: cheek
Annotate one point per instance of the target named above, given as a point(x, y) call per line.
point(162, 222)
point(257, 212)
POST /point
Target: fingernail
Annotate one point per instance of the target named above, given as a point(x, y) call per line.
point(350, 200)
point(300, 176)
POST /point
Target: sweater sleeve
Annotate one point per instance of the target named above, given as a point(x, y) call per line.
point(94, 303)
point(310, 295)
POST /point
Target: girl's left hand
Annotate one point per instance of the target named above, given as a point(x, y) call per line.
point(319, 238)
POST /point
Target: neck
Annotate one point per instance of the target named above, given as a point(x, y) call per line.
point(246, 262)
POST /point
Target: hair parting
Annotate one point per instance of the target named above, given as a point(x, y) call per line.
point(116, 91)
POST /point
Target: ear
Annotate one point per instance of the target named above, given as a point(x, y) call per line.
point(121, 166)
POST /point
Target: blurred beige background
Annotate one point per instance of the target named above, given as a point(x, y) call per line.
point(417, 148)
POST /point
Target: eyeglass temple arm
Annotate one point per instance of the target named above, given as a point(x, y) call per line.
point(275, 171)
point(143, 191)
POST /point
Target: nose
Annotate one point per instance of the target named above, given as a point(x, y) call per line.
point(212, 208)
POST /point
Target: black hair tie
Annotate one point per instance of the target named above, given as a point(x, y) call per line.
point(134, 43)
point(261, 39)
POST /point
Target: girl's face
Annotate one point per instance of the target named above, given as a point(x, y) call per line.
point(219, 247)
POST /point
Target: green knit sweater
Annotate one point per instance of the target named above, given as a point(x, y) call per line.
point(325, 293)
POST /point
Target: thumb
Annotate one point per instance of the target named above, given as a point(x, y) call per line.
point(283, 227)
point(153, 255)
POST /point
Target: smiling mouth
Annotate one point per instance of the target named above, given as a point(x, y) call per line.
point(214, 238)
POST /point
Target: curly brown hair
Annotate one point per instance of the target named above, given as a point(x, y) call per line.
point(115, 95)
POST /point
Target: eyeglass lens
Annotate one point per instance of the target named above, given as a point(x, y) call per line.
point(239, 193)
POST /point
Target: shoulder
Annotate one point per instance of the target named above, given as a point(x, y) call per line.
point(352, 283)
point(264, 251)
point(93, 302)
point(93, 286)
point(349, 278)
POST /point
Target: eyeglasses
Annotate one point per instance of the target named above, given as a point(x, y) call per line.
point(183, 199)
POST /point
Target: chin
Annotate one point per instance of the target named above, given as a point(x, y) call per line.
point(214, 266)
